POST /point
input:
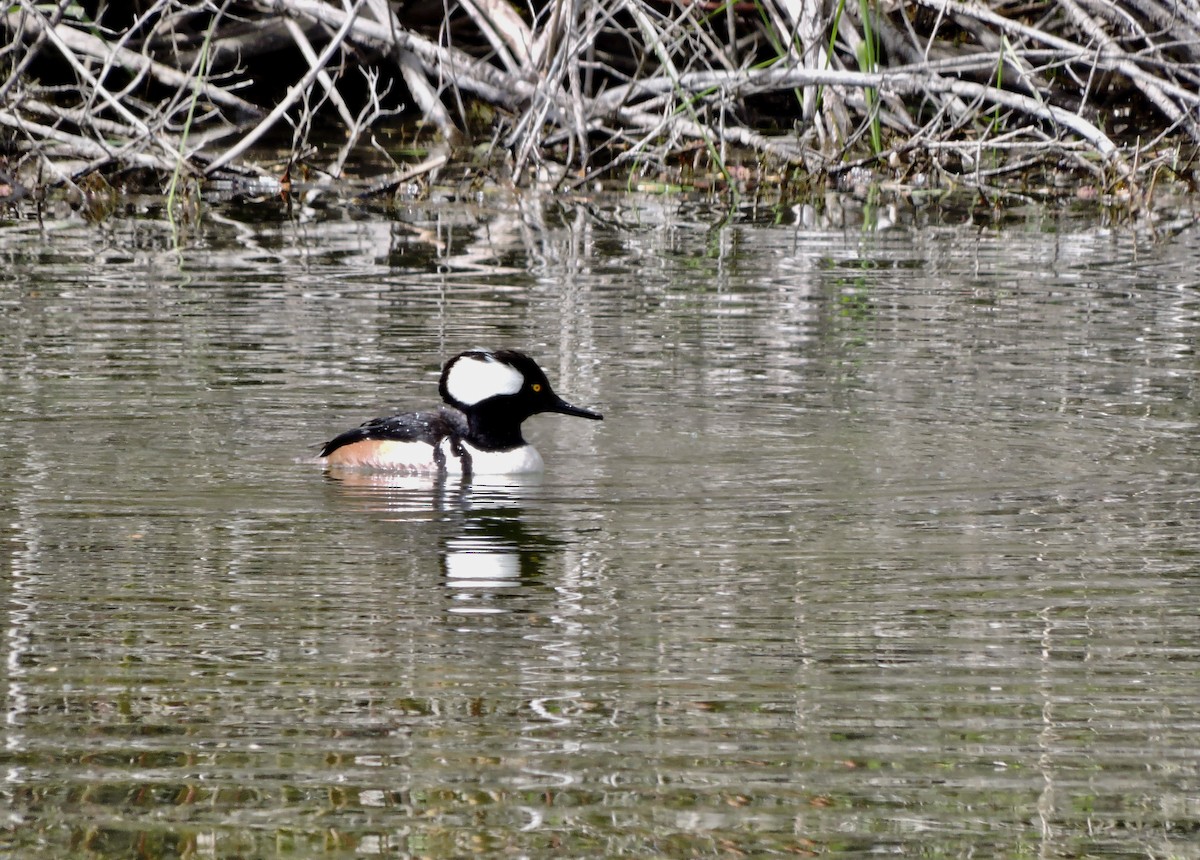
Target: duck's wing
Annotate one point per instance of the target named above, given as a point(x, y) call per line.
point(427, 427)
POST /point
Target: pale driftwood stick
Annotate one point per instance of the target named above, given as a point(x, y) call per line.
point(80, 118)
point(508, 35)
point(555, 54)
point(84, 147)
point(115, 130)
point(785, 16)
point(371, 111)
point(55, 36)
point(436, 159)
point(355, 125)
point(579, 124)
point(226, 52)
point(810, 30)
point(1115, 61)
point(908, 82)
point(1181, 20)
point(30, 52)
point(785, 148)
point(300, 38)
point(108, 128)
point(653, 39)
point(415, 74)
point(1115, 58)
point(1154, 89)
point(84, 43)
point(563, 44)
point(1006, 25)
point(549, 36)
point(856, 44)
point(464, 70)
point(294, 93)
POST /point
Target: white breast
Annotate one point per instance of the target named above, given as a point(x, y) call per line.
point(517, 461)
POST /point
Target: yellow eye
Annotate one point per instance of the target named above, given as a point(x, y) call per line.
point(537, 386)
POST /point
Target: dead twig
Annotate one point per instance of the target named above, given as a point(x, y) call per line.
point(297, 91)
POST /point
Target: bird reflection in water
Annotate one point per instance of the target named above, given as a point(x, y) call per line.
point(486, 549)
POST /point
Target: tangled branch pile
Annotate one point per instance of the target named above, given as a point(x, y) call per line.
point(576, 89)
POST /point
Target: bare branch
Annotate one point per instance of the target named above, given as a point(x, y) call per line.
point(294, 93)
point(75, 41)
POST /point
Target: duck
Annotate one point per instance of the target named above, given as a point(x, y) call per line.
point(487, 395)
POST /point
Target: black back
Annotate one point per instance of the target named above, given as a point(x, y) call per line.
point(428, 427)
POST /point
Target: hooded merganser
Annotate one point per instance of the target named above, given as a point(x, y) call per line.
point(478, 431)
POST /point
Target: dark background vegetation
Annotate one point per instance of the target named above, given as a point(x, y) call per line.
point(1077, 96)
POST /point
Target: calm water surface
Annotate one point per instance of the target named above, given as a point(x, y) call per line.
point(889, 542)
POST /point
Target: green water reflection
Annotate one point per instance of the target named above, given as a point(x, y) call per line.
point(888, 543)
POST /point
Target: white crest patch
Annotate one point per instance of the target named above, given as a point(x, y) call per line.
point(474, 379)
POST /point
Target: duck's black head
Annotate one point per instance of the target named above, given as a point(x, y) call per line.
point(498, 390)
